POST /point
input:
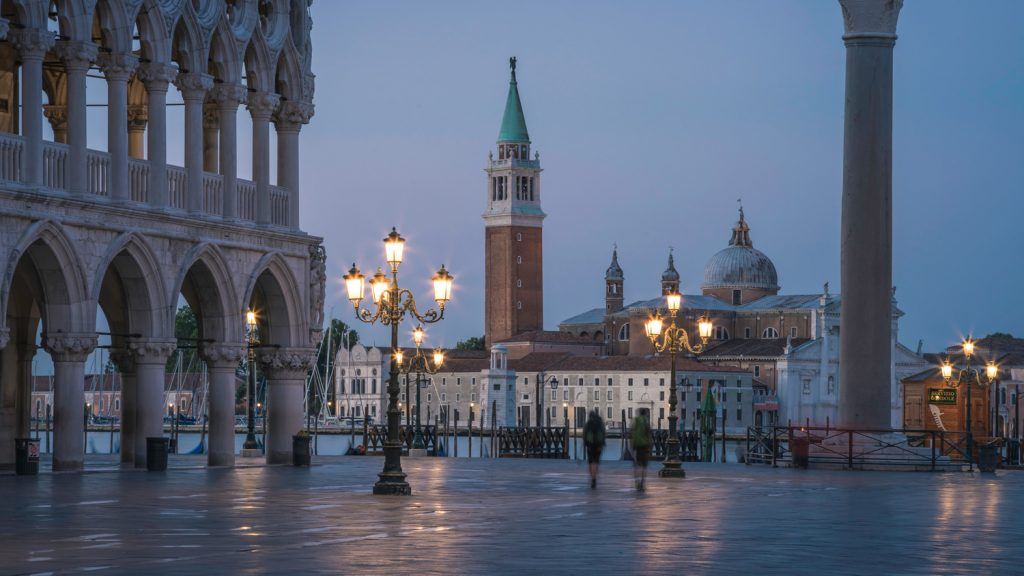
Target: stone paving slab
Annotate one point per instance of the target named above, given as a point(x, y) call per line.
point(510, 517)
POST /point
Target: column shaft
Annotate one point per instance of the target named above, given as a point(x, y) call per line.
point(68, 414)
point(210, 138)
point(262, 106)
point(222, 416)
point(117, 69)
point(194, 153)
point(229, 158)
point(284, 417)
point(288, 170)
point(77, 58)
point(149, 407)
point(31, 118)
point(156, 78)
point(128, 403)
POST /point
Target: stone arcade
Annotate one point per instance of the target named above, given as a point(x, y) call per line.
point(122, 231)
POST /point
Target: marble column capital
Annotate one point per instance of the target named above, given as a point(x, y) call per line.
point(228, 96)
point(193, 85)
point(151, 350)
point(32, 43)
point(57, 114)
point(285, 363)
point(223, 354)
point(262, 105)
point(138, 115)
point(157, 76)
point(76, 54)
point(291, 115)
point(64, 347)
point(875, 19)
point(117, 66)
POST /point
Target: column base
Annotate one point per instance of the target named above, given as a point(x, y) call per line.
point(672, 470)
point(392, 484)
point(252, 453)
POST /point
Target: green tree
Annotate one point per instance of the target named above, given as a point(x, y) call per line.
point(186, 330)
point(471, 343)
point(1000, 335)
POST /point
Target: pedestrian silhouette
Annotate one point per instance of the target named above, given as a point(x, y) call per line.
point(593, 440)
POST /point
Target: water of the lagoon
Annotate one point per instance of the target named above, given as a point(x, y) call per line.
point(336, 444)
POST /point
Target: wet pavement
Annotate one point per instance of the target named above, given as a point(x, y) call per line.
point(509, 516)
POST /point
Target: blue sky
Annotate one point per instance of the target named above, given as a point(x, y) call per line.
point(652, 119)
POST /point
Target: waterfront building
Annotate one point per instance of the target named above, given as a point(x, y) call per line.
point(120, 230)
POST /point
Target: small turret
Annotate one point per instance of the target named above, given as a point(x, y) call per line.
point(613, 281)
point(670, 277)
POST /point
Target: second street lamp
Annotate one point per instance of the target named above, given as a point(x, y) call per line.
point(419, 364)
point(391, 303)
point(969, 376)
point(674, 339)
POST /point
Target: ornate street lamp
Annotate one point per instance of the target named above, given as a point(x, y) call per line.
point(419, 364)
point(966, 376)
point(390, 305)
point(674, 339)
point(252, 337)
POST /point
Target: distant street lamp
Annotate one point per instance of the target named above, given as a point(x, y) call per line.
point(419, 364)
point(252, 341)
point(540, 395)
point(391, 304)
point(674, 339)
point(966, 376)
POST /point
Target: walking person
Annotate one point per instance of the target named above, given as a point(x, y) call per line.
point(641, 449)
point(593, 440)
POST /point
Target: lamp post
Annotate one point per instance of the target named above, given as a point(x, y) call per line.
point(390, 305)
point(540, 395)
point(419, 364)
point(967, 376)
point(252, 341)
point(674, 339)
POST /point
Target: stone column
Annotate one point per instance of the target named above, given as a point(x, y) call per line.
point(866, 243)
point(57, 115)
point(193, 87)
point(286, 370)
point(125, 362)
point(138, 117)
point(262, 106)
point(289, 120)
point(78, 58)
point(222, 361)
point(227, 98)
point(150, 366)
point(69, 352)
point(211, 127)
point(118, 68)
point(32, 45)
point(156, 77)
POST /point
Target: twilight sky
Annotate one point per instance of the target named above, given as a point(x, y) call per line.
point(651, 119)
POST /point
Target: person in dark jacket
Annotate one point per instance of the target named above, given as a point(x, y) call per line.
point(641, 449)
point(593, 440)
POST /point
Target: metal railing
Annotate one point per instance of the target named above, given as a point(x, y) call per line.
point(857, 448)
point(56, 175)
point(375, 435)
point(533, 442)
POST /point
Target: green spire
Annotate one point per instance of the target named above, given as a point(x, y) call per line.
point(513, 123)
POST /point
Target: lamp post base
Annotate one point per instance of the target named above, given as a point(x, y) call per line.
point(392, 484)
point(672, 469)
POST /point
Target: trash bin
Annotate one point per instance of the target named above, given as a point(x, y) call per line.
point(156, 454)
point(26, 456)
point(801, 449)
point(1013, 452)
point(300, 450)
point(988, 457)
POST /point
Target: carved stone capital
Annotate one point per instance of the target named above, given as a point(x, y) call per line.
point(870, 18)
point(76, 54)
point(57, 115)
point(157, 76)
point(5, 337)
point(31, 43)
point(117, 66)
point(228, 96)
point(138, 116)
point(262, 105)
point(285, 363)
point(151, 350)
point(292, 115)
point(69, 347)
point(223, 354)
point(194, 85)
point(123, 359)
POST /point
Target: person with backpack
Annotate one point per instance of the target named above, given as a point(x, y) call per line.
point(593, 440)
point(641, 438)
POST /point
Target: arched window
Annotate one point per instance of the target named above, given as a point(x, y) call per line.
point(721, 333)
point(624, 333)
point(770, 332)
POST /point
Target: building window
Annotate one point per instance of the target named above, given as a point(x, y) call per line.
point(646, 382)
point(519, 236)
point(746, 332)
point(739, 415)
point(609, 381)
point(428, 397)
point(609, 412)
point(770, 332)
point(807, 385)
point(519, 282)
point(629, 395)
point(661, 395)
point(458, 381)
point(736, 297)
point(609, 395)
point(831, 384)
point(497, 386)
point(597, 381)
point(630, 412)
point(721, 333)
point(444, 397)
point(554, 395)
point(757, 371)
point(519, 305)
point(624, 333)
point(630, 381)
point(472, 397)
point(444, 381)
point(519, 259)
point(792, 331)
point(565, 394)
point(739, 397)
point(579, 382)
point(661, 413)
point(458, 397)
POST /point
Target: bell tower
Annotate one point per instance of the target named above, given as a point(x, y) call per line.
point(514, 289)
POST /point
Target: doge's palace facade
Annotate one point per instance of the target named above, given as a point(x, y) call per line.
point(122, 231)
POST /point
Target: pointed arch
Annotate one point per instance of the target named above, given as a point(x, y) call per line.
point(274, 293)
point(206, 281)
point(130, 289)
point(111, 27)
point(258, 67)
point(225, 62)
point(74, 18)
point(288, 74)
point(154, 38)
point(188, 47)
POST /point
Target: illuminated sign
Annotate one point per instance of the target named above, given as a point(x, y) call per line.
point(941, 396)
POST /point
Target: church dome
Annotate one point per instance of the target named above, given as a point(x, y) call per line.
point(740, 265)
